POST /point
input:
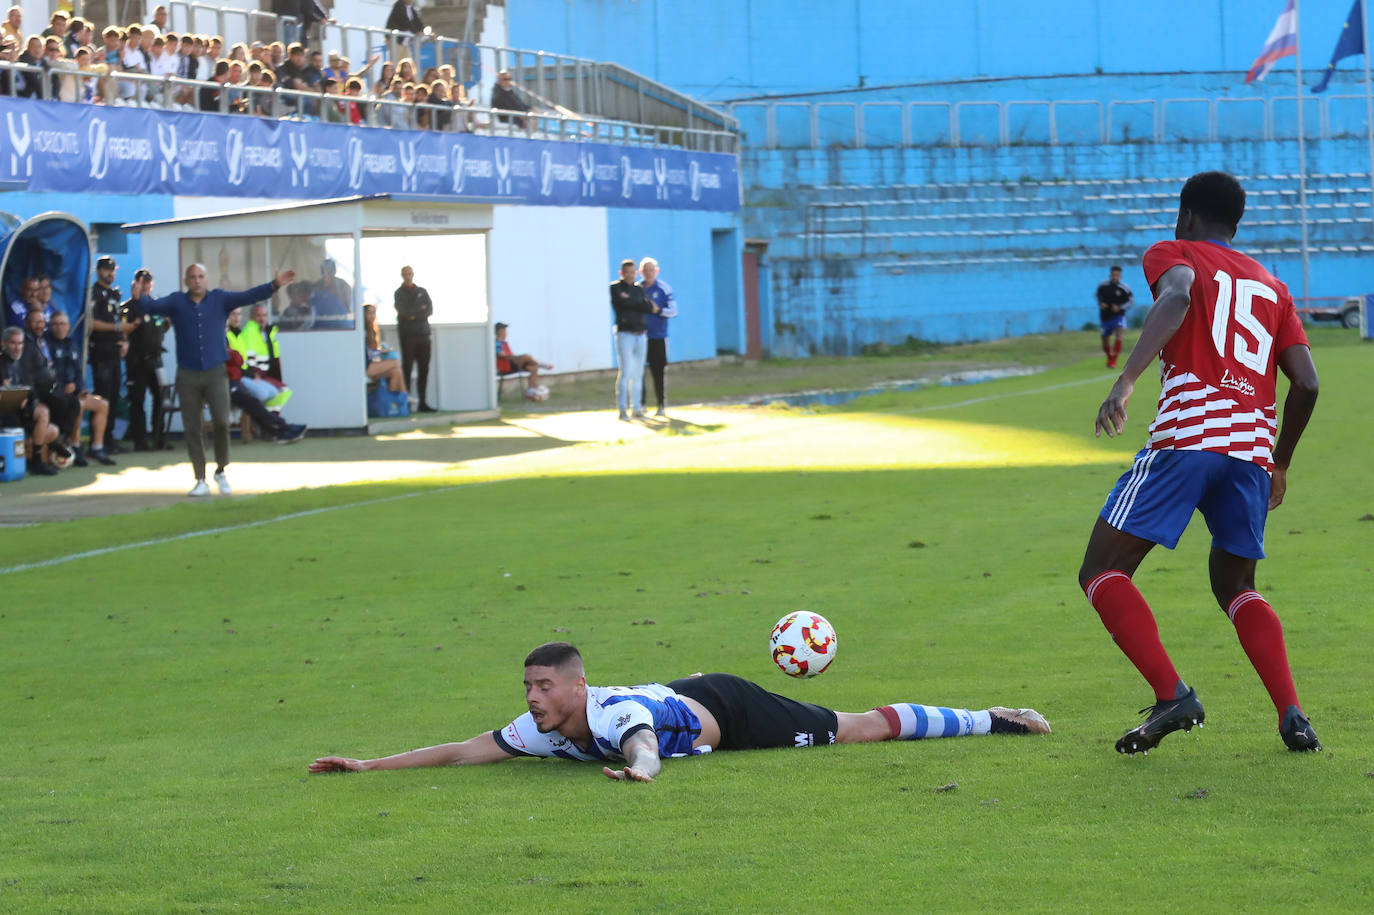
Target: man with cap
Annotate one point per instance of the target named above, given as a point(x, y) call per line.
point(413, 308)
point(198, 318)
point(107, 333)
point(507, 363)
point(141, 365)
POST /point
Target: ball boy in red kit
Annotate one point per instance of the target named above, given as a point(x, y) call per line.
point(1222, 327)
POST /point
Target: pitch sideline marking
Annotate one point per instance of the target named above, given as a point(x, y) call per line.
point(190, 535)
point(247, 525)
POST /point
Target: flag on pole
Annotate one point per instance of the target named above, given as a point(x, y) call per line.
point(1283, 42)
point(1349, 44)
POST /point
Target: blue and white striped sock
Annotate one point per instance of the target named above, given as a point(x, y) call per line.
point(909, 721)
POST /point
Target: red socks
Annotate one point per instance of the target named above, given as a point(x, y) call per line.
point(1116, 349)
point(1128, 618)
point(1107, 347)
point(1261, 635)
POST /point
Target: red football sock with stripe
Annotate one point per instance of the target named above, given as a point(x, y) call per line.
point(1116, 348)
point(1107, 347)
point(1261, 635)
point(1128, 618)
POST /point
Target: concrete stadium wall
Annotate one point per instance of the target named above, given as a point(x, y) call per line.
point(764, 47)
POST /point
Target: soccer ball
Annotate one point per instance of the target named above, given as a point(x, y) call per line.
point(802, 644)
point(62, 456)
point(537, 393)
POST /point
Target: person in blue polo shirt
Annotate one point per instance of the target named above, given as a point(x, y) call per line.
point(661, 294)
point(198, 316)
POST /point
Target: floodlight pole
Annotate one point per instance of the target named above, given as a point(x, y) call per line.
point(1302, 150)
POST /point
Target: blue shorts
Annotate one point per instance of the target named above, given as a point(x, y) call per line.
point(1154, 500)
point(1114, 324)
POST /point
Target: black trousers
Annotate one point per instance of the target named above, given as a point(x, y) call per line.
point(141, 379)
point(657, 360)
point(105, 365)
point(415, 351)
point(269, 422)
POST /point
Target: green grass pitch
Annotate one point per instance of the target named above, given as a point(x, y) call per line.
point(159, 705)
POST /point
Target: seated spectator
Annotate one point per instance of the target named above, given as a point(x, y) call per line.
point(162, 64)
point(297, 315)
point(13, 26)
point(64, 84)
point(19, 308)
point(80, 34)
point(57, 26)
point(257, 342)
point(292, 75)
point(65, 354)
point(353, 90)
point(159, 24)
point(438, 95)
point(64, 409)
point(44, 296)
point(331, 105)
point(386, 112)
point(22, 367)
point(92, 87)
point(276, 55)
point(331, 299)
point(266, 104)
point(239, 52)
point(132, 60)
point(507, 363)
point(378, 360)
point(29, 84)
point(208, 99)
point(273, 425)
point(424, 115)
point(337, 69)
point(505, 97)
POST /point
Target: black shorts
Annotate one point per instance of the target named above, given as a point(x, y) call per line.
point(752, 718)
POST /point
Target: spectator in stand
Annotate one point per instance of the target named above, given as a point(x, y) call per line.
point(13, 26)
point(188, 67)
point(90, 89)
point(30, 84)
point(197, 316)
point(292, 75)
point(405, 69)
point(241, 395)
point(265, 106)
point(22, 367)
point(405, 17)
point(214, 46)
point(310, 14)
point(413, 308)
point(64, 85)
point(331, 106)
point(438, 95)
point(353, 91)
point(209, 97)
point(64, 353)
point(43, 302)
point(314, 69)
point(205, 61)
point(131, 61)
point(507, 363)
point(261, 348)
point(57, 26)
point(162, 64)
point(9, 53)
point(424, 115)
point(386, 113)
point(107, 331)
point(376, 361)
point(159, 23)
point(141, 366)
point(239, 52)
point(276, 55)
point(505, 97)
point(238, 98)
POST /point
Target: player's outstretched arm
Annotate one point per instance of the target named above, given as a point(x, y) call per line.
point(480, 749)
point(1296, 363)
point(641, 758)
point(1173, 293)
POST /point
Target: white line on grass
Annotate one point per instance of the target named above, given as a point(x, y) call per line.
point(189, 535)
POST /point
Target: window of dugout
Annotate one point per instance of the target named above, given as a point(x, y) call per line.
point(321, 298)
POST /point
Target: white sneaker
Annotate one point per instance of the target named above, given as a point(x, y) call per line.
point(200, 489)
point(223, 483)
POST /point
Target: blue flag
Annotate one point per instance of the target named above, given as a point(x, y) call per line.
point(1349, 44)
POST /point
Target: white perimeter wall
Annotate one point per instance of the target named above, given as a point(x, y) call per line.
point(549, 283)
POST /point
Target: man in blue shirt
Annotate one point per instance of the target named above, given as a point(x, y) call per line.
point(198, 316)
point(661, 294)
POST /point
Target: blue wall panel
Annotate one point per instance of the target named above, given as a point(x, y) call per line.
point(682, 243)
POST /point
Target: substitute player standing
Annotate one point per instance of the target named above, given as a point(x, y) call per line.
point(1221, 325)
point(1113, 298)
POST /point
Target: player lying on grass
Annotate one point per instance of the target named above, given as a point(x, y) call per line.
point(1222, 328)
point(640, 725)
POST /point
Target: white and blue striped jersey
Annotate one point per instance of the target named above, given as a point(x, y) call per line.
point(614, 713)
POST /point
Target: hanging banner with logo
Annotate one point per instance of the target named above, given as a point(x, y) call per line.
point(56, 146)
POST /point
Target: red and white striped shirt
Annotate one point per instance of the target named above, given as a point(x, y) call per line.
point(1220, 368)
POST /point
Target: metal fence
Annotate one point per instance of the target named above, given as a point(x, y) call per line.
point(176, 94)
point(1051, 122)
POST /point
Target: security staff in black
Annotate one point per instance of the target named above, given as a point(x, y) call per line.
point(107, 332)
point(141, 365)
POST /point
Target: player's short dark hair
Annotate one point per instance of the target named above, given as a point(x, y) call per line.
point(553, 654)
point(1116, 268)
point(1215, 197)
point(628, 260)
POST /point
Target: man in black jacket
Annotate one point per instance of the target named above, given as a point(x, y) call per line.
point(631, 304)
point(21, 366)
point(413, 308)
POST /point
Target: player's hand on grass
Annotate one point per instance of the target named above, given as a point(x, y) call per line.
point(628, 774)
point(1278, 487)
point(336, 764)
point(1111, 416)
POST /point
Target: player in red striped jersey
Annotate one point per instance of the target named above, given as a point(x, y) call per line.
point(1223, 328)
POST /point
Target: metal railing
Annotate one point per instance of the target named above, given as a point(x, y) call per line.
point(176, 94)
point(1051, 122)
